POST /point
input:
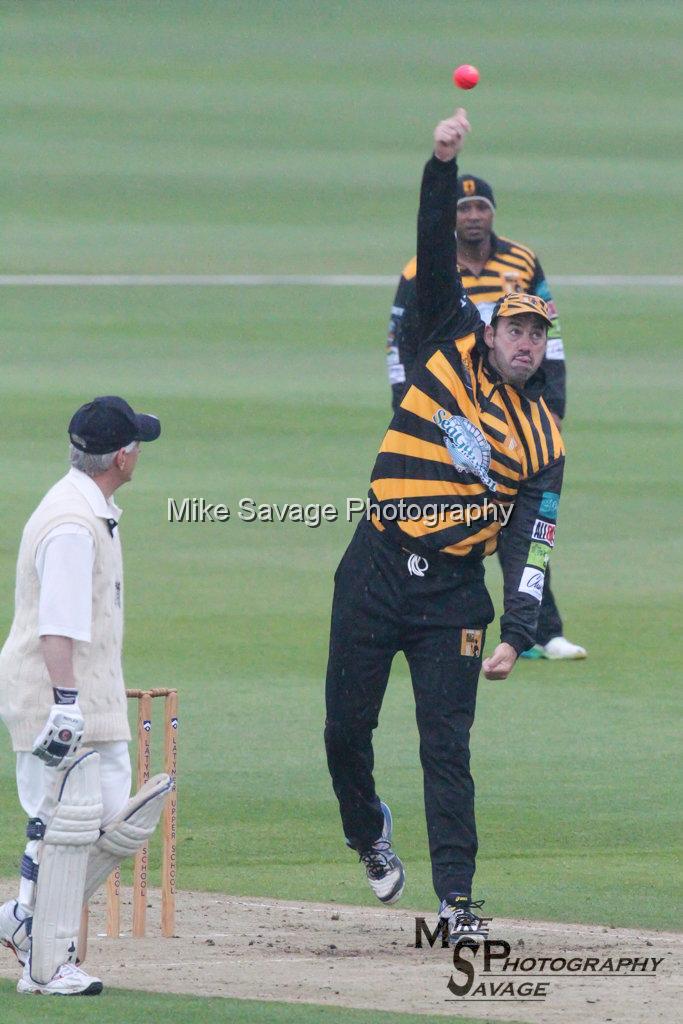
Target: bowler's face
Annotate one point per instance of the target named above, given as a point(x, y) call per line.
point(517, 346)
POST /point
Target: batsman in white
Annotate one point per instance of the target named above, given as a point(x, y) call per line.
point(61, 686)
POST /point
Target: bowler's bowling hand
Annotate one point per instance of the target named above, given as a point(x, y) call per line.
point(449, 135)
point(501, 662)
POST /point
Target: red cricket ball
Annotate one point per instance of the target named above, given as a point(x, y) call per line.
point(466, 76)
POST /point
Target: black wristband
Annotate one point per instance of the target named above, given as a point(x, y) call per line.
point(65, 695)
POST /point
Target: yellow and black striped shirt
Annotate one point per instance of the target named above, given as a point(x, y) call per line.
point(414, 463)
point(462, 442)
point(465, 452)
point(511, 267)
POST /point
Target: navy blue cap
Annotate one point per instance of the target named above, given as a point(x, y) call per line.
point(471, 187)
point(108, 423)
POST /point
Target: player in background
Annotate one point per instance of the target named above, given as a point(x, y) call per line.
point(491, 266)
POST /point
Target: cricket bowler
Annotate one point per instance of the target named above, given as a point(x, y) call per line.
point(472, 431)
point(491, 266)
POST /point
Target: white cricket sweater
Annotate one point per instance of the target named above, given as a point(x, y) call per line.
point(25, 687)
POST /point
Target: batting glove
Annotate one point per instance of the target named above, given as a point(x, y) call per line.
point(62, 735)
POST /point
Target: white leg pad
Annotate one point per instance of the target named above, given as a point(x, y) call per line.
point(124, 836)
point(70, 833)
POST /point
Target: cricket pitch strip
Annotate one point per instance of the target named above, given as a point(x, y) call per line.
point(366, 957)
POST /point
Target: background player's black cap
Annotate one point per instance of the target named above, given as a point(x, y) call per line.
point(470, 187)
point(108, 423)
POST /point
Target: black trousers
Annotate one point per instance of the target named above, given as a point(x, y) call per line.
point(549, 618)
point(379, 608)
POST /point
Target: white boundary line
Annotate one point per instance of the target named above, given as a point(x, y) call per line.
point(320, 280)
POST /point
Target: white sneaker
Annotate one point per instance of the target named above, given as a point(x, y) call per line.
point(14, 932)
point(386, 874)
point(69, 980)
point(463, 923)
point(561, 649)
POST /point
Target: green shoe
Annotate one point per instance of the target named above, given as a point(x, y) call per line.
point(533, 653)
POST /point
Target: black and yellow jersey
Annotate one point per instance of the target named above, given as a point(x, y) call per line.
point(466, 453)
point(507, 437)
point(511, 267)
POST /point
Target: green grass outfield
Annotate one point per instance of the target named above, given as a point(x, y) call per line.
point(170, 138)
point(571, 760)
point(115, 1006)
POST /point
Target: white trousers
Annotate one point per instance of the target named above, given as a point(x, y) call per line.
point(37, 785)
point(35, 779)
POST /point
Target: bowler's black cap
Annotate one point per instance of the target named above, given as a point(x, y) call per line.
point(471, 187)
point(108, 423)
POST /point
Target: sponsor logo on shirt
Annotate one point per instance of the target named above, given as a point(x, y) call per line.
point(532, 582)
point(550, 501)
point(544, 532)
point(538, 555)
point(417, 565)
point(554, 349)
point(470, 642)
point(510, 280)
point(467, 446)
point(397, 371)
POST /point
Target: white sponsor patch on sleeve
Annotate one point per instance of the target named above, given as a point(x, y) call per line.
point(397, 371)
point(532, 582)
point(544, 532)
point(397, 310)
point(554, 349)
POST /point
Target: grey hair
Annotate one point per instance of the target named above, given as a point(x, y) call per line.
point(94, 465)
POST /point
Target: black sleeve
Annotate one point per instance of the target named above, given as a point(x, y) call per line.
point(402, 341)
point(399, 356)
point(443, 308)
point(555, 390)
point(397, 393)
point(529, 539)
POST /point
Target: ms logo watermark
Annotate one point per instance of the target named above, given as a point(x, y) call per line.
point(466, 958)
point(487, 971)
